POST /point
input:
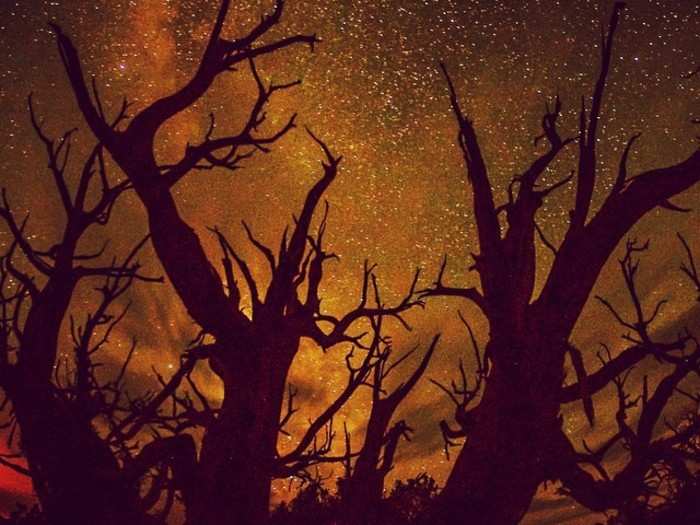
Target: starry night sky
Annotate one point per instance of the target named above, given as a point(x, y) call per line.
point(371, 90)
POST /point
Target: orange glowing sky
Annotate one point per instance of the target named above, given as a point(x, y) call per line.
point(373, 92)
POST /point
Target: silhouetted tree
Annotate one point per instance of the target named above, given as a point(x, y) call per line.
point(659, 474)
point(362, 488)
point(494, 481)
point(252, 353)
point(75, 427)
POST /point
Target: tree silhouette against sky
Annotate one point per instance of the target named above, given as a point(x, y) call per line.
point(514, 431)
point(250, 332)
point(251, 354)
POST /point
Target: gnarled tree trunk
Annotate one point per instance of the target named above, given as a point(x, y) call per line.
point(507, 453)
point(237, 459)
point(252, 353)
point(75, 474)
point(362, 489)
point(513, 436)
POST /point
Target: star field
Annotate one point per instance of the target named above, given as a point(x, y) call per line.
point(373, 91)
